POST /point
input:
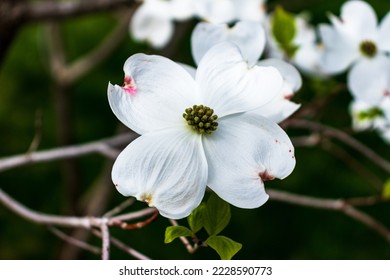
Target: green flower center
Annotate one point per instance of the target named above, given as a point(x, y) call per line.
point(370, 114)
point(368, 48)
point(201, 119)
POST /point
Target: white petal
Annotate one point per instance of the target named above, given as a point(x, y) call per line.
point(230, 86)
point(358, 19)
point(190, 70)
point(244, 151)
point(289, 73)
point(250, 10)
point(182, 9)
point(278, 109)
point(166, 169)
point(369, 79)
point(384, 31)
point(155, 94)
point(152, 23)
point(339, 53)
point(215, 11)
point(249, 36)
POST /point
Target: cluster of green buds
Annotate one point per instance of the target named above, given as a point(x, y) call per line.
point(201, 118)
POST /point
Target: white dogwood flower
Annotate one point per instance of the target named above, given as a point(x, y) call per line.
point(153, 21)
point(198, 132)
point(249, 36)
point(353, 38)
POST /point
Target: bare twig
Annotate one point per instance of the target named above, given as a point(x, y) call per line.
point(119, 244)
point(55, 10)
point(128, 202)
point(41, 218)
point(76, 242)
point(100, 146)
point(105, 240)
point(332, 204)
point(137, 225)
point(66, 221)
point(343, 137)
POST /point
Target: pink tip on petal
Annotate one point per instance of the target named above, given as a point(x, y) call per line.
point(129, 85)
point(265, 176)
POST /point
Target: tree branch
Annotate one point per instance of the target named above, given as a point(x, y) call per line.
point(55, 10)
point(332, 204)
point(341, 136)
point(100, 146)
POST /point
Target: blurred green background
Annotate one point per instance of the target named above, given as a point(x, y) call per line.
point(274, 231)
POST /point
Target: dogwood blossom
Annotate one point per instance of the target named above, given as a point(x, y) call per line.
point(370, 108)
point(353, 38)
point(153, 21)
point(307, 57)
point(250, 37)
point(198, 132)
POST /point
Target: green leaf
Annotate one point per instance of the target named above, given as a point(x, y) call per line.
point(224, 246)
point(195, 220)
point(173, 232)
point(284, 29)
point(216, 215)
point(386, 189)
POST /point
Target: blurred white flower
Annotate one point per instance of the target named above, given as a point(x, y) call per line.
point(153, 21)
point(354, 37)
point(309, 51)
point(198, 132)
point(226, 11)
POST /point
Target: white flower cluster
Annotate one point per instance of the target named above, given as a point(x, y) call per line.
point(216, 125)
point(356, 41)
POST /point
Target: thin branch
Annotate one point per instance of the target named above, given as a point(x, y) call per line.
point(40, 218)
point(354, 164)
point(343, 137)
point(105, 240)
point(332, 204)
point(100, 146)
point(128, 202)
point(66, 221)
point(57, 10)
point(137, 225)
point(76, 242)
point(133, 215)
point(119, 244)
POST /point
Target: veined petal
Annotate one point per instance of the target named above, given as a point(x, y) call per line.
point(280, 108)
point(369, 79)
point(384, 31)
point(243, 152)
point(155, 94)
point(229, 85)
point(190, 69)
point(166, 169)
point(249, 36)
